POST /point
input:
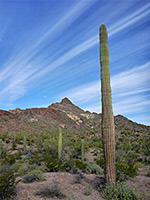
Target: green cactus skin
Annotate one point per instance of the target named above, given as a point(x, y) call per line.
point(1, 147)
point(82, 150)
point(24, 142)
point(108, 131)
point(60, 144)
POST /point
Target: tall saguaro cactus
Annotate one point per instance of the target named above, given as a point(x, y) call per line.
point(108, 132)
point(24, 143)
point(82, 150)
point(1, 147)
point(60, 144)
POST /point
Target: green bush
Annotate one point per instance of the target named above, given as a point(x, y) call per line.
point(88, 190)
point(53, 191)
point(93, 168)
point(14, 146)
point(35, 158)
point(3, 153)
point(100, 162)
point(79, 164)
point(7, 183)
point(35, 175)
point(53, 164)
point(146, 149)
point(78, 178)
point(119, 191)
point(9, 159)
point(148, 173)
point(7, 141)
point(16, 166)
point(126, 170)
point(23, 170)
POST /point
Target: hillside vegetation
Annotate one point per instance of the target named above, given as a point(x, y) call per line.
point(29, 153)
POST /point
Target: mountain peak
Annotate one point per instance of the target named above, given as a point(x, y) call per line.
point(66, 101)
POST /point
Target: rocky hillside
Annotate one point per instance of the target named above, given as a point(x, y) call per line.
point(64, 114)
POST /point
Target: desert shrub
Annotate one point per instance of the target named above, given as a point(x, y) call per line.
point(9, 159)
point(18, 138)
point(35, 175)
point(53, 191)
point(16, 166)
point(69, 166)
point(79, 164)
point(78, 178)
point(100, 162)
point(97, 143)
point(14, 146)
point(71, 197)
point(93, 168)
point(36, 158)
point(76, 151)
point(126, 170)
point(7, 183)
point(7, 141)
point(4, 153)
point(99, 183)
point(24, 169)
point(53, 164)
point(88, 190)
point(29, 143)
point(146, 149)
point(148, 173)
point(119, 191)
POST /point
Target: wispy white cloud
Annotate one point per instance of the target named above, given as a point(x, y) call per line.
point(80, 48)
point(132, 80)
point(16, 86)
point(16, 72)
point(143, 119)
point(136, 16)
point(4, 30)
point(124, 86)
point(131, 105)
point(16, 64)
point(19, 74)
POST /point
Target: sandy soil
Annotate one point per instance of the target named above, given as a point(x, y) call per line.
point(25, 191)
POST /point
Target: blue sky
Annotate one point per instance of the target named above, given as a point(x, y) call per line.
point(50, 50)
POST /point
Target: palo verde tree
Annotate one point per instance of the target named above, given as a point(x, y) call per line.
point(108, 132)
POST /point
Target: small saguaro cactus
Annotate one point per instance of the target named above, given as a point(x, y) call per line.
point(60, 144)
point(108, 131)
point(82, 150)
point(1, 147)
point(24, 143)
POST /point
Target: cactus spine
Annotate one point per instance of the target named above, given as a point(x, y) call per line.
point(1, 147)
point(60, 144)
point(82, 150)
point(24, 142)
point(108, 132)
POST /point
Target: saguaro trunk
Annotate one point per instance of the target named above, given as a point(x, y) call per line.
point(108, 132)
point(60, 144)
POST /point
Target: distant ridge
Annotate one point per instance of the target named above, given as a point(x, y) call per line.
point(64, 114)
